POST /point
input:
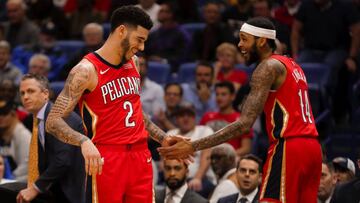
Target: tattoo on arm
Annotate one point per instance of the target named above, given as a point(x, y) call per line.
point(74, 87)
point(155, 132)
point(263, 78)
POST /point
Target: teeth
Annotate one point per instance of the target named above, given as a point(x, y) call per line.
point(243, 52)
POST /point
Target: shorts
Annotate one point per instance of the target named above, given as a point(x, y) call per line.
point(292, 171)
point(127, 175)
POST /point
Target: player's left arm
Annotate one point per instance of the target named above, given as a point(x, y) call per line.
point(264, 77)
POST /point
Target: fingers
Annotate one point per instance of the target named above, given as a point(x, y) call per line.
point(101, 163)
point(19, 198)
point(87, 165)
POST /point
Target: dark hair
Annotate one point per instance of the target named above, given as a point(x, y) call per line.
point(226, 84)
point(263, 22)
point(44, 82)
point(130, 15)
point(206, 64)
point(253, 158)
point(330, 166)
point(174, 84)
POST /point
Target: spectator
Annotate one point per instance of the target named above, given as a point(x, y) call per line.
point(330, 31)
point(176, 173)
point(286, 12)
point(248, 175)
point(93, 34)
point(47, 45)
point(344, 169)
point(236, 15)
point(152, 9)
point(327, 183)
point(14, 140)
point(81, 13)
point(199, 173)
point(348, 192)
point(173, 98)
point(226, 55)
point(19, 30)
point(262, 8)
point(169, 42)
point(205, 41)
point(223, 164)
point(225, 95)
point(7, 69)
point(201, 92)
point(152, 93)
point(40, 64)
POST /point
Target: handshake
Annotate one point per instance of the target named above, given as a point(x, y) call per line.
point(176, 147)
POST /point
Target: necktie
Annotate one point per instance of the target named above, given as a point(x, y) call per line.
point(170, 198)
point(33, 173)
point(243, 200)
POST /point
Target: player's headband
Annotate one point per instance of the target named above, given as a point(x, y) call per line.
point(258, 31)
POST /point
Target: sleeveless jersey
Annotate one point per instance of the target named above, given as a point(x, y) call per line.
point(112, 112)
point(287, 110)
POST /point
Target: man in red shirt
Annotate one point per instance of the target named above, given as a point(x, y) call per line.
point(278, 85)
point(225, 95)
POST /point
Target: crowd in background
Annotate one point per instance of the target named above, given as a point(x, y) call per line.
point(50, 37)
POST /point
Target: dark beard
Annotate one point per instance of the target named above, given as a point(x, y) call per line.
point(254, 56)
point(175, 185)
point(125, 46)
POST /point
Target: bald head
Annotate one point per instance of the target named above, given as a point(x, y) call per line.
point(93, 34)
point(15, 10)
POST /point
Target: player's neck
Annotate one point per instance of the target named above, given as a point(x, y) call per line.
point(111, 53)
point(265, 55)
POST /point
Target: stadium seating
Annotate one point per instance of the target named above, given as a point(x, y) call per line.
point(191, 28)
point(158, 72)
point(57, 87)
point(186, 73)
point(70, 47)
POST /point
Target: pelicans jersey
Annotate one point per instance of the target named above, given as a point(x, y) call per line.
point(113, 117)
point(292, 169)
point(288, 110)
point(112, 111)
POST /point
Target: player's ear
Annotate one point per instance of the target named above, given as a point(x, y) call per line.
point(121, 31)
point(261, 42)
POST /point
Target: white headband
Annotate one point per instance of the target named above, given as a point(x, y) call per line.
point(258, 31)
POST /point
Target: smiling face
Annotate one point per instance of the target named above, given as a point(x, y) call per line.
point(248, 48)
point(134, 40)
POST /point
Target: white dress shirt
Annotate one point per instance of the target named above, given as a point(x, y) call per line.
point(250, 197)
point(41, 116)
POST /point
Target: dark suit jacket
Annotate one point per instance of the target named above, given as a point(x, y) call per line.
point(189, 197)
point(347, 193)
point(61, 166)
point(232, 198)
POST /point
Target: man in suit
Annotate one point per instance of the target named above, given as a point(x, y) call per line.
point(60, 169)
point(248, 174)
point(327, 183)
point(348, 192)
point(176, 191)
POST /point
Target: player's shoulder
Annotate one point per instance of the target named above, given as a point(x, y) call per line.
point(272, 65)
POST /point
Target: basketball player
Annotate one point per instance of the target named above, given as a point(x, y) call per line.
point(106, 85)
point(278, 85)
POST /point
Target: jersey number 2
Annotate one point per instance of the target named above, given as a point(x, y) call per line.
point(305, 107)
point(128, 106)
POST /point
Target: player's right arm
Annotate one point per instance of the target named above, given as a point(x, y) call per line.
point(82, 77)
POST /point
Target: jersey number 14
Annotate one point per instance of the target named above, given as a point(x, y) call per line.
point(305, 106)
